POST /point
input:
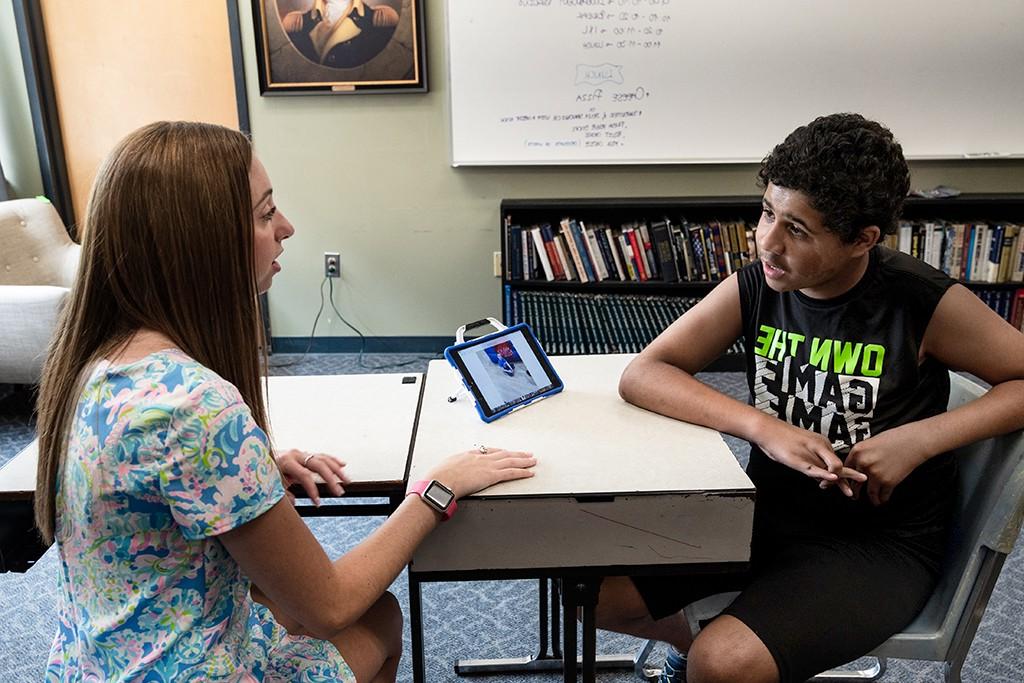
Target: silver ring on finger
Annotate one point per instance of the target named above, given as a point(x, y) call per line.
point(309, 457)
point(482, 449)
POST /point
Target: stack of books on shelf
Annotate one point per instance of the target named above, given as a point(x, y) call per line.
point(969, 252)
point(975, 253)
point(569, 323)
point(638, 251)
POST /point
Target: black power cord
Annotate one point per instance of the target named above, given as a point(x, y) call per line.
point(362, 338)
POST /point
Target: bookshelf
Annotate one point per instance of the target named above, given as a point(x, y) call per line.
point(612, 315)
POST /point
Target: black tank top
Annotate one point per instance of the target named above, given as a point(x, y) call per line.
point(848, 368)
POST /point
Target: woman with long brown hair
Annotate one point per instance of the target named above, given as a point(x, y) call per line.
point(156, 476)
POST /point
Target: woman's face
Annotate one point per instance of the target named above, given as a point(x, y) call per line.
point(270, 227)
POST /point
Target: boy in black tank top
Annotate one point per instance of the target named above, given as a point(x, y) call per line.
point(848, 347)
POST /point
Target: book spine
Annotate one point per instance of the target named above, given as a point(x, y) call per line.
point(627, 257)
point(570, 241)
point(506, 247)
point(563, 256)
point(751, 245)
point(600, 267)
point(683, 249)
point(905, 231)
point(647, 249)
point(515, 257)
point(549, 245)
point(697, 244)
point(613, 246)
point(709, 253)
point(581, 249)
point(716, 241)
point(993, 247)
point(638, 254)
point(661, 235)
point(604, 247)
point(542, 254)
point(1018, 257)
point(1006, 255)
point(1018, 309)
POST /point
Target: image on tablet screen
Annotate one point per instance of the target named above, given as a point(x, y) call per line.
point(506, 377)
point(505, 371)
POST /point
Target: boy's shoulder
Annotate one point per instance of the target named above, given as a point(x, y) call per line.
point(900, 268)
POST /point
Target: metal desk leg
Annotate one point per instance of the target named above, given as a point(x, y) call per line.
point(544, 660)
point(554, 661)
point(577, 593)
point(569, 601)
point(587, 598)
point(556, 627)
point(419, 674)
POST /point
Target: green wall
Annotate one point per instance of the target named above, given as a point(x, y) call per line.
point(17, 143)
point(369, 176)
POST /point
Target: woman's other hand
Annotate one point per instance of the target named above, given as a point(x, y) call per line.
point(299, 467)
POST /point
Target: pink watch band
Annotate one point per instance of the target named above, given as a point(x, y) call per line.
point(420, 487)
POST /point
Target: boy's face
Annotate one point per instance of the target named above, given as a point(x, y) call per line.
point(797, 252)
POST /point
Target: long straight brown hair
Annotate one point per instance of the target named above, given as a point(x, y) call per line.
point(168, 246)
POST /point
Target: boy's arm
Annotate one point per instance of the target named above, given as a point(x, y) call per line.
point(661, 379)
point(964, 334)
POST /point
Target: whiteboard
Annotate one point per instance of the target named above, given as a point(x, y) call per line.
point(676, 81)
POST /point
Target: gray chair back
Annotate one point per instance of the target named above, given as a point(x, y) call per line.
point(987, 520)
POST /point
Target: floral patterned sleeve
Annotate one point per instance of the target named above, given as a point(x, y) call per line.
point(219, 473)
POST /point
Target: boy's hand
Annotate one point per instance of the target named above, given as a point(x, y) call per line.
point(808, 453)
point(886, 460)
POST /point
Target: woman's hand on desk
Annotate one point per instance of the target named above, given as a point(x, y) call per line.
point(299, 467)
point(471, 471)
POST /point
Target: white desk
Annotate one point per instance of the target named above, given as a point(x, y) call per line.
point(18, 476)
point(617, 490)
point(643, 489)
point(366, 420)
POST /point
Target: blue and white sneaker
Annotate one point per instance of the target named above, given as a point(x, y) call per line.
point(674, 669)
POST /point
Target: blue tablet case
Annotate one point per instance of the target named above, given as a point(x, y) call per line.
point(534, 345)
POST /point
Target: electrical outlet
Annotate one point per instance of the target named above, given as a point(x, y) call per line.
point(332, 264)
point(496, 263)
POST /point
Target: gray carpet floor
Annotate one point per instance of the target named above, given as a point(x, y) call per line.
point(485, 619)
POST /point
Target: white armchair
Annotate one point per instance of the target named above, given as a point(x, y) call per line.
point(38, 261)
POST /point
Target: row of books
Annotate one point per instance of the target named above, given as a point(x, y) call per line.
point(1008, 303)
point(708, 252)
point(568, 323)
point(632, 252)
point(970, 252)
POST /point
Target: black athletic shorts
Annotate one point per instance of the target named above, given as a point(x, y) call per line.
point(830, 578)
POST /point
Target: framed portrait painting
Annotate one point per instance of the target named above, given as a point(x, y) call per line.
point(339, 46)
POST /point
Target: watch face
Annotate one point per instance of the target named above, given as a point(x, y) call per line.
point(439, 495)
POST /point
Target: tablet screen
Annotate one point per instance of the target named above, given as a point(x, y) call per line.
point(505, 370)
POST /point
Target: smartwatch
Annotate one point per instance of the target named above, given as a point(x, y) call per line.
point(436, 495)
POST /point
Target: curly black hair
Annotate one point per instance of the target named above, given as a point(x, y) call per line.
point(851, 169)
